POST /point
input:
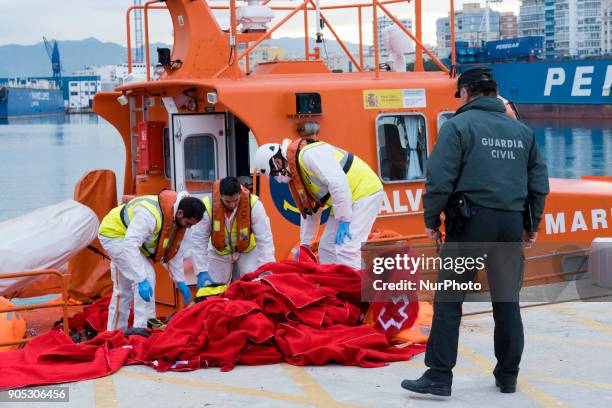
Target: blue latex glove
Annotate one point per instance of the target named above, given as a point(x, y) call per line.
point(204, 279)
point(145, 290)
point(343, 232)
point(184, 291)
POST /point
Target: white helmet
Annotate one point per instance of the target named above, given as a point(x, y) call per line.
point(284, 146)
point(264, 156)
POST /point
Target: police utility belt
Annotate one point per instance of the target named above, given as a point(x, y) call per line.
point(457, 212)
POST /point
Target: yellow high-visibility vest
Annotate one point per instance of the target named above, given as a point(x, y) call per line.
point(362, 180)
point(117, 221)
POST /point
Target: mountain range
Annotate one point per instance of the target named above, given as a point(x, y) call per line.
point(32, 60)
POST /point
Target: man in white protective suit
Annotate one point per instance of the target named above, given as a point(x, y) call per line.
point(233, 238)
point(146, 230)
point(319, 176)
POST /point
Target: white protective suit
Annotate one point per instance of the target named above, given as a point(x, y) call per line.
point(129, 266)
point(221, 267)
point(361, 215)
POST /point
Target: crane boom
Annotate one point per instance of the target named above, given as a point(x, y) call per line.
point(48, 47)
point(54, 56)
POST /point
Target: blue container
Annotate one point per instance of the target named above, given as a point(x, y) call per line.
point(515, 48)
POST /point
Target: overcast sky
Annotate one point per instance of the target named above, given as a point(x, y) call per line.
point(26, 21)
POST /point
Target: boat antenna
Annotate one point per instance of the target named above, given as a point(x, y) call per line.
point(320, 27)
point(320, 23)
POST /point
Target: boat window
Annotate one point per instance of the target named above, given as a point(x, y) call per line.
point(402, 147)
point(200, 158)
point(167, 162)
point(443, 117)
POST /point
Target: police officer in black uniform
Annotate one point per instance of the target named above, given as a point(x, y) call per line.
point(483, 170)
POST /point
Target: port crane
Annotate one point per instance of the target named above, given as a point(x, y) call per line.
point(485, 23)
point(54, 56)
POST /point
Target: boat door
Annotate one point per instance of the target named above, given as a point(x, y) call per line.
point(198, 149)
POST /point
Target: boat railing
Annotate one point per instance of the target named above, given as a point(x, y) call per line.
point(306, 7)
point(63, 304)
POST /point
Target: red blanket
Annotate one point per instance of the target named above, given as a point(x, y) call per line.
point(53, 358)
point(301, 313)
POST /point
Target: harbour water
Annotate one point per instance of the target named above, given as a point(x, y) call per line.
point(41, 159)
point(573, 149)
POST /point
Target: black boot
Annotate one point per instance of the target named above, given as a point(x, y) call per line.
point(426, 386)
point(507, 386)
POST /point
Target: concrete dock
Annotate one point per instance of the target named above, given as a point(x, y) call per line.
point(567, 363)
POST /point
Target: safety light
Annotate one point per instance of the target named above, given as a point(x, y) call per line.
point(212, 98)
point(122, 99)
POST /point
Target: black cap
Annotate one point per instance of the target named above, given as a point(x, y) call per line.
point(472, 75)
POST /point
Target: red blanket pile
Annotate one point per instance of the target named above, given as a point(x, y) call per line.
point(300, 313)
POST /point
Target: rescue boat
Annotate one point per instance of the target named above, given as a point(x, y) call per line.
point(203, 113)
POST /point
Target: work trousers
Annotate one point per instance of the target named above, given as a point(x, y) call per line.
point(231, 267)
point(495, 235)
point(349, 253)
point(125, 289)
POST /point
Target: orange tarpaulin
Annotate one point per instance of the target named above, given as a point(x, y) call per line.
point(89, 273)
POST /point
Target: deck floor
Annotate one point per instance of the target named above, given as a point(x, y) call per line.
point(567, 363)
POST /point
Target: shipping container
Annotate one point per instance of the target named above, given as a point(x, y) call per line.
point(515, 48)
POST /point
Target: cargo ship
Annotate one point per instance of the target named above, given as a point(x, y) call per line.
point(29, 97)
point(544, 88)
point(198, 121)
point(34, 96)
